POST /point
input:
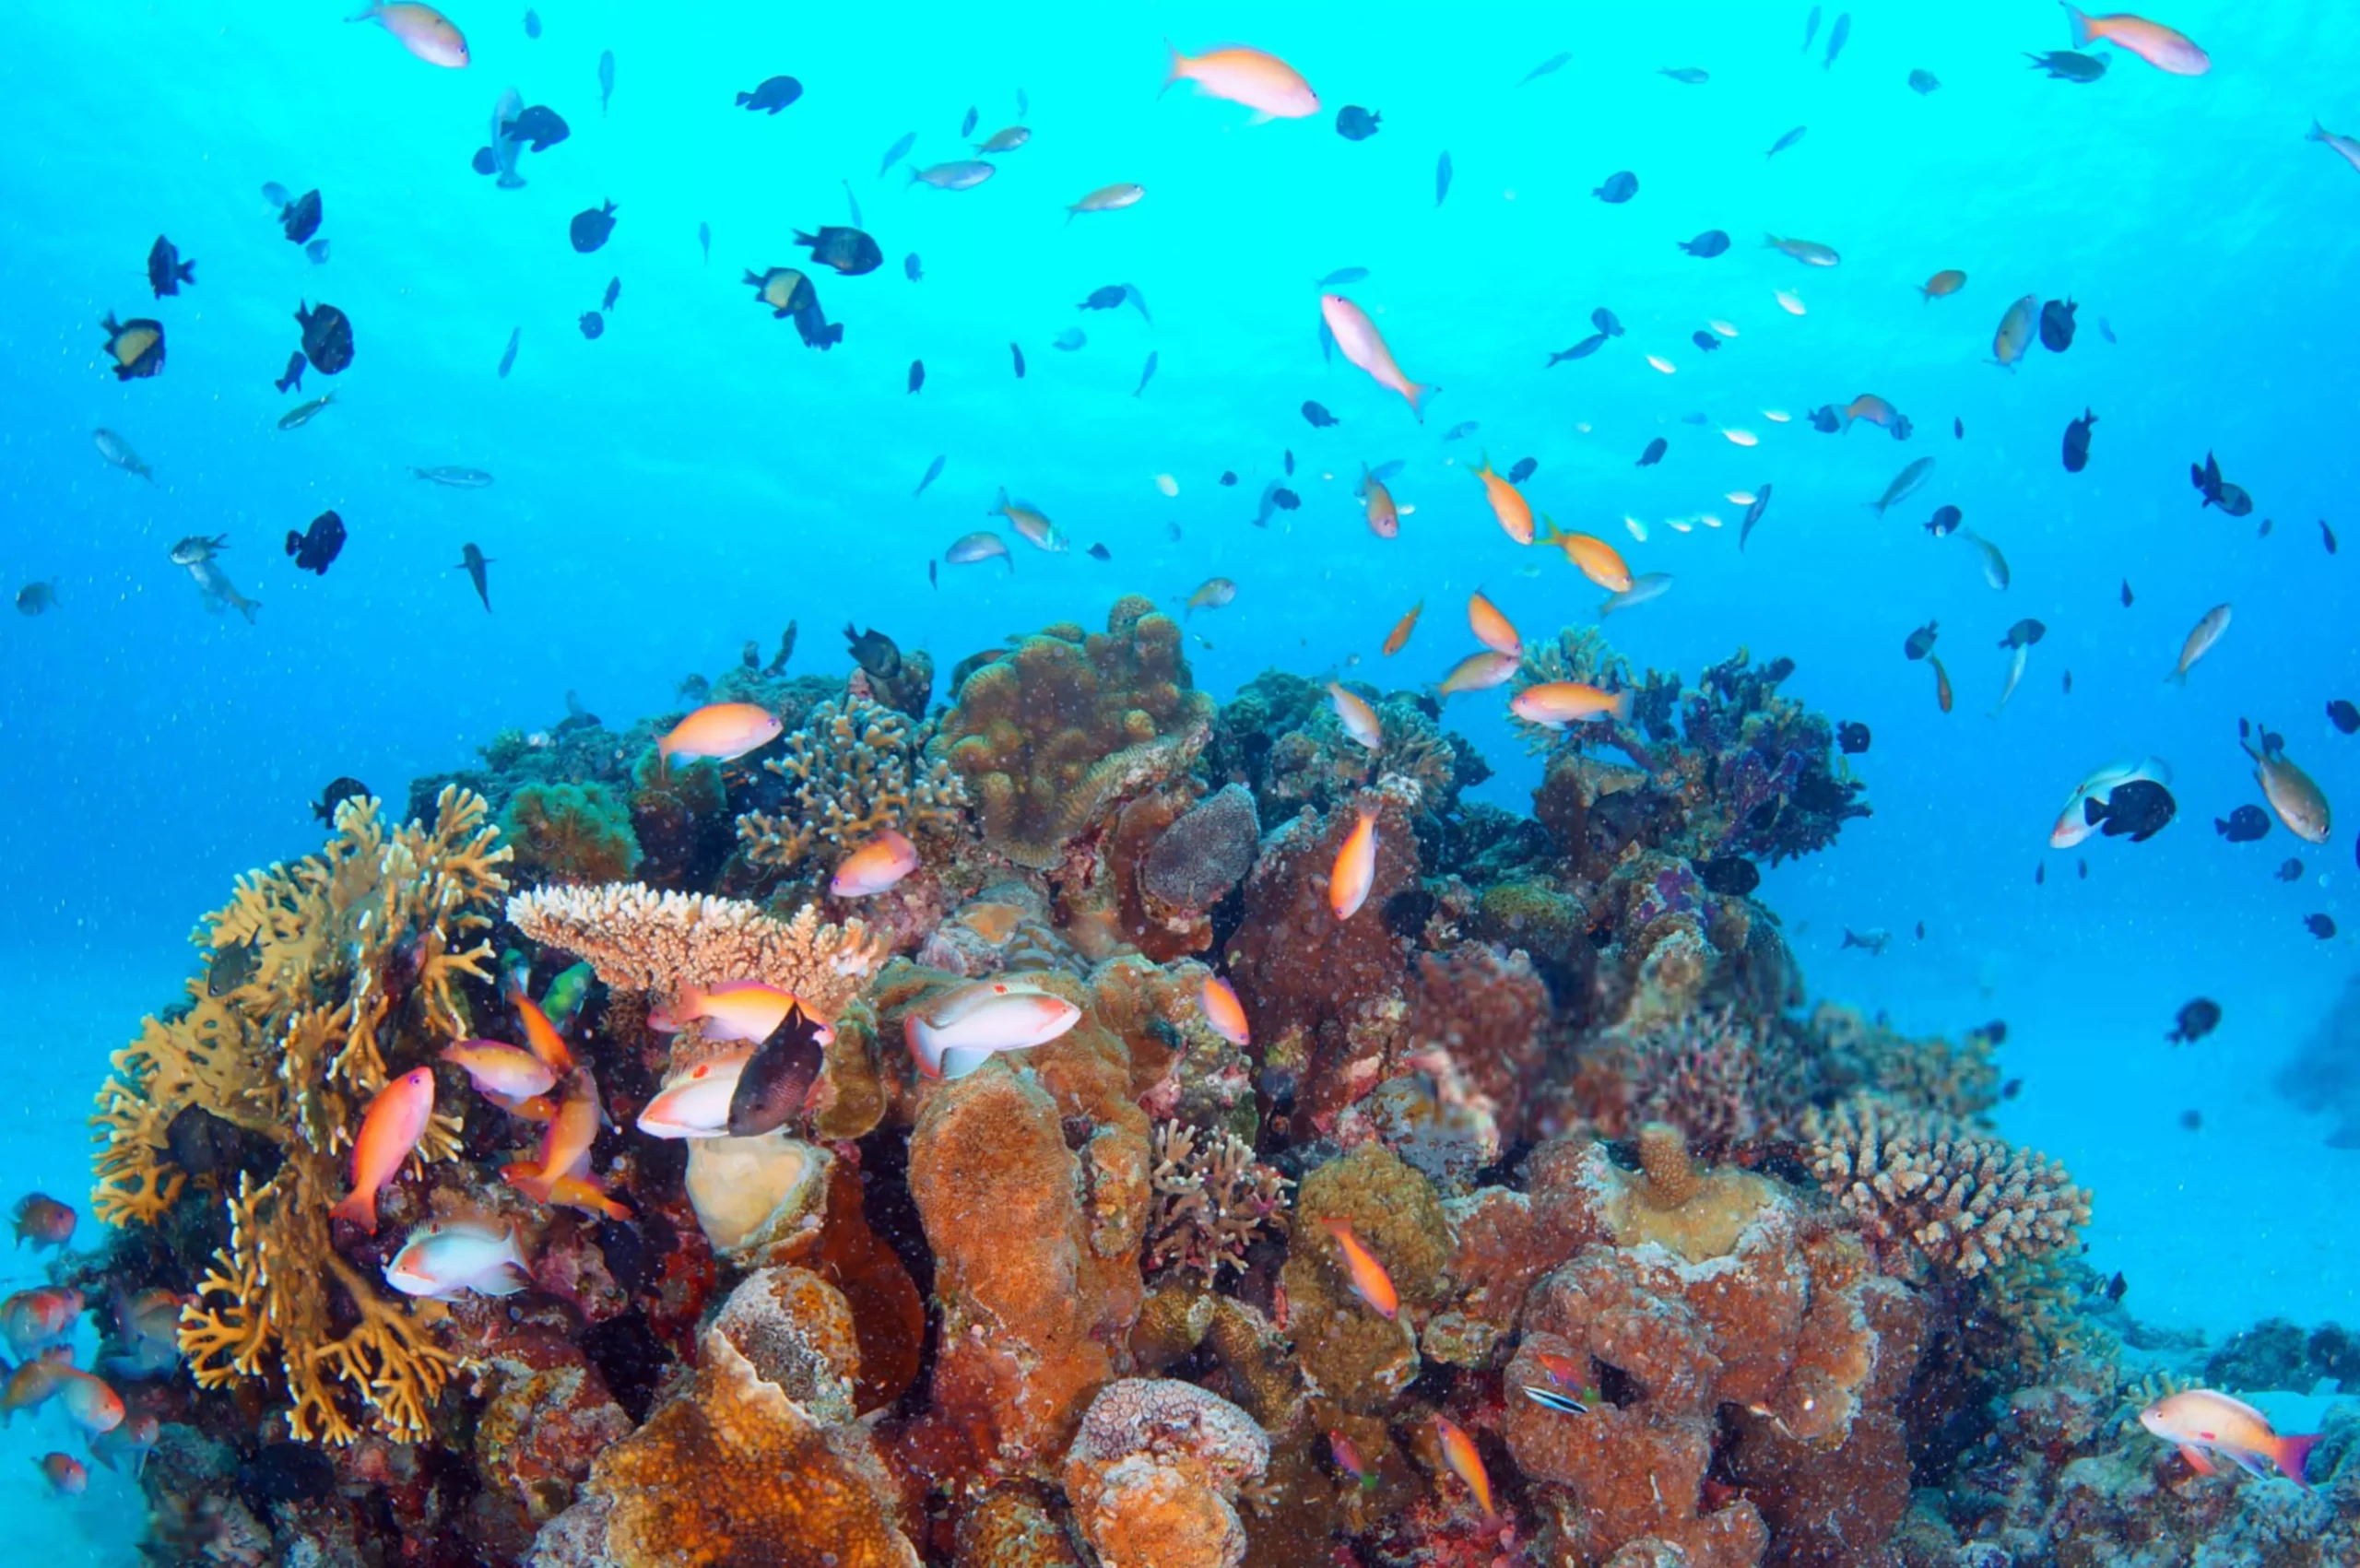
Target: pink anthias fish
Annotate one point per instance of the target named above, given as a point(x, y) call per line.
point(423, 30)
point(734, 1009)
point(695, 1103)
point(2074, 824)
point(92, 1406)
point(1262, 82)
point(449, 1258)
point(2204, 1425)
point(956, 1033)
point(43, 1222)
point(390, 1129)
point(723, 731)
point(36, 1319)
point(1357, 336)
point(2166, 49)
point(875, 866)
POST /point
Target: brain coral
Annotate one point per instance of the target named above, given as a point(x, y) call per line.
point(1064, 723)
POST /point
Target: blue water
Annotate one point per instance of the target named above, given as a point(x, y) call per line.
point(696, 477)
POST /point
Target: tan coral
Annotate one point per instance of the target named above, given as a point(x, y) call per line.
point(1212, 1200)
point(1968, 1200)
point(639, 940)
point(859, 768)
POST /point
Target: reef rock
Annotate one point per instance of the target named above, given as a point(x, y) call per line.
point(1154, 1472)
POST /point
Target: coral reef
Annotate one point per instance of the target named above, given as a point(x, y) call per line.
point(570, 832)
point(857, 768)
point(1062, 722)
point(637, 938)
point(1212, 1201)
point(1154, 1473)
point(1280, 736)
point(1966, 1201)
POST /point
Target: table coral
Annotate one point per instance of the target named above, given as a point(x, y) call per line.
point(733, 1473)
point(1967, 1199)
point(1154, 1473)
point(353, 958)
point(1063, 724)
point(855, 768)
point(570, 832)
point(1213, 1200)
point(638, 939)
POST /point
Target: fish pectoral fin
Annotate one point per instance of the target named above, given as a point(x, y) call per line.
point(2196, 1460)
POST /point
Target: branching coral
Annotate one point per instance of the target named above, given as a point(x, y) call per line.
point(1064, 723)
point(1212, 1201)
point(1859, 1053)
point(352, 956)
point(639, 940)
point(1968, 1200)
point(859, 768)
point(1723, 1082)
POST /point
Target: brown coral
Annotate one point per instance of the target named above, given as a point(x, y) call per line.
point(1968, 1200)
point(859, 768)
point(1063, 724)
point(638, 939)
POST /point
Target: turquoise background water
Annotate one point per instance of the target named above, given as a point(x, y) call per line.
point(696, 477)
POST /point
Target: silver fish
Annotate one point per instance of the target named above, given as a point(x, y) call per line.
point(1441, 179)
point(506, 148)
point(457, 479)
point(1903, 483)
point(933, 472)
point(983, 545)
point(1071, 338)
point(508, 355)
point(1752, 515)
point(216, 589)
point(1147, 374)
point(1994, 565)
point(962, 175)
point(1783, 143)
point(902, 145)
point(1652, 586)
point(117, 451)
point(1138, 302)
point(1554, 64)
point(303, 414)
point(2015, 674)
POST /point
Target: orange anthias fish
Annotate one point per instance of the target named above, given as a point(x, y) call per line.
point(423, 30)
point(1357, 336)
point(1348, 885)
point(390, 1129)
point(540, 1034)
point(1950, 280)
point(1594, 558)
point(875, 866)
point(1359, 719)
point(561, 1175)
point(1264, 83)
point(508, 1075)
point(1507, 503)
point(1223, 1012)
point(1399, 638)
point(2203, 1423)
point(1492, 628)
point(734, 1009)
point(1458, 1453)
point(64, 1473)
point(1941, 681)
point(94, 1406)
point(1873, 409)
point(1370, 1282)
point(36, 1319)
point(1384, 517)
point(2162, 47)
point(723, 731)
point(1557, 703)
point(1479, 672)
point(43, 1222)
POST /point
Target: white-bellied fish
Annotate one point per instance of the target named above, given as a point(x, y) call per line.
point(1365, 345)
point(444, 1259)
point(1032, 522)
point(2198, 642)
point(951, 1034)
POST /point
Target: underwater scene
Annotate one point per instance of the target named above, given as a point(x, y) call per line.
point(1279, 787)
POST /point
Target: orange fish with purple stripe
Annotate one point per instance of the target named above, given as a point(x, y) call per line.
point(1368, 1277)
point(1458, 1453)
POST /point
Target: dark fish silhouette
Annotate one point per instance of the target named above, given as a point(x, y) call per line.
point(1357, 125)
point(778, 1077)
point(2138, 809)
point(2343, 715)
point(2243, 825)
point(2291, 871)
point(1018, 354)
point(2196, 1020)
point(300, 219)
point(2077, 442)
point(1711, 242)
point(2218, 491)
point(1319, 416)
point(2319, 926)
point(1711, 344)
point(2064, 65)
point(1852, 738)
point(2023, 633)
point(472, 561)
point(874, 652)
point(1617, 188)
point(166, 271)
point(614, 292)
point(593, 324)
point(1944, 520)
point(2056, 325)
point(592, 227)
point(293, 380)
point(849, 250)
point(1581, 350)
point(917, 374)
point(328, 338)
point(773, 95)
point(136, 346)
point(1654, 453)
point(538, 129)
point(339, 791)
point(1920, 643)
point(316, 547)
point(1524, 469)
point(911, 270)
point(1105, 299)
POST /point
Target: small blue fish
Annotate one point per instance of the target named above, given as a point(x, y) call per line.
point(967, 126)
point(1620, 187)
point(1340, 276)
point(933, 472)
point(1147, 374)
point(1556, 62)
point(532, 24)
point(508, 355)
point(1835, 37)
point(1524, 469)
point(318, 250)
point(852, 201)
point(704, 242)
point(1783, 143)
point(1441, 179)
point(902, 144)
point(1462, 429)
point(911, 270)
point(1387, 469)
point(1023, 104)
point(1811, 29)
point(1071, 338)
point(1018, 354)
point(1549, 1398)
point(1326, 342)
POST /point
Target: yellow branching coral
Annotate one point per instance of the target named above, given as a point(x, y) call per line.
point(1969, 1200)
point(320, 972)
point(860, 768)
point(639, 940)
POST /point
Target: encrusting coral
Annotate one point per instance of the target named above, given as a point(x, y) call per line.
point(857, 768)
point(347, 965)
point(1063, 722)
point(639, 940)
point(1967, 1199)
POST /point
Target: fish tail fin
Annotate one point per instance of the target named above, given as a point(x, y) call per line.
point(247, 606)
point(368, 13)
point(2080, 23)
point(2177, 678)
point(187, 272)
point(1175, 67)
point(361, 1207)
point(2294, 1451)
point(2317, 132)
point(294, 541)
point(1620, 708)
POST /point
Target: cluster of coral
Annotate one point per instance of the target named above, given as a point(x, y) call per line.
point(1667, 1270)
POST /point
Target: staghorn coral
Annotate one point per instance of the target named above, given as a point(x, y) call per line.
point(732, 1473)
point(1968, 1200)
point(570, 832)
point(1155, 1470)
point(637, 938)
point(857, 768)
point(1063, 724)
point(350, 963)
point(1212, 1201)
